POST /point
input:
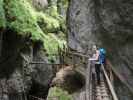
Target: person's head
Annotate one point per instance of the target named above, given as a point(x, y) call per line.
point(94, 49)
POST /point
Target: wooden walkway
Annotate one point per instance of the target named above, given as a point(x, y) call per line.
point(93, 91)
point(102, 91)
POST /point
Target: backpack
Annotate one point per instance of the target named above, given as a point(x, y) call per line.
point(102, 55)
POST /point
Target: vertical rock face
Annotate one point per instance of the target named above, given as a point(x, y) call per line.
point(42, 73)
point(107, 24)
point(17, 75)
point(80, 24)
point(12, 64)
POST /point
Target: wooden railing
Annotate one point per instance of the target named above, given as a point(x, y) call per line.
point(22, 96)
point(111, 88)
point(88, 81)
point(88, 75)
point(119, 76)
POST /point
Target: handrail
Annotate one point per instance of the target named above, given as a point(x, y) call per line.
point(88, 81)
point(119, 76)
point(106, 76)
point(37, 98)
point(109, 84)
point(78, 54)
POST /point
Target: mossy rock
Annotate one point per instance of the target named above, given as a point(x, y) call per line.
point(47, 23)
point(26, 21)
point(51, 44)
point(22, 19)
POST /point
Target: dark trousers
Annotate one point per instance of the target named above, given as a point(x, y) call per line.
point(97, 69)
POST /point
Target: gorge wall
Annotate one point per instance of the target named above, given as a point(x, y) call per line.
point(107, 24)
point(30, 31)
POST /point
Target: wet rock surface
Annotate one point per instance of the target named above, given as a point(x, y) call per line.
point(107, 24)
point(23, 40)
point(17, 75)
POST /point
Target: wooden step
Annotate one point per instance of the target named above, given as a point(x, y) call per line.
point(101, 92)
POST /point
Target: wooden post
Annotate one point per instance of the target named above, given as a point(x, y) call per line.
point(73, 60)
point(88, 80)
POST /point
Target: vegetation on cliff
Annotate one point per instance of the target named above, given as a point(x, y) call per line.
point(59, 93)
point(24, 19)
point(45, 24)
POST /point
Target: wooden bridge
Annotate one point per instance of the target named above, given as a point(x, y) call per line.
point(93, 91)
point(104, 91)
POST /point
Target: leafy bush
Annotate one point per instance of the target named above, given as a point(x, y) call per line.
point(58, 92)
point(21, 18)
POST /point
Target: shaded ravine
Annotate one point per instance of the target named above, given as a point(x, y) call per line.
point(107, 24)
point(28, 35)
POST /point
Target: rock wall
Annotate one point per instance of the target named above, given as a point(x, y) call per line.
point(17, 75)
point(107, 24)
point(26, 35)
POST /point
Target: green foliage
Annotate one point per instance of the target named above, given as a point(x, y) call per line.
point(52, 11)
point(48, 26)
point(51, 44)
point(25, 20)
point(47, 23)
point(57, 92)
point(22, 19)
point(2, 15)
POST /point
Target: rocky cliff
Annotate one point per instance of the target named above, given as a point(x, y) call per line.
point(107, 24)
point(30, 31)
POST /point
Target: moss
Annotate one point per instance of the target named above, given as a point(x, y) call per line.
point(51, 44)
point(48, 26)
point(2, 15)
point(47, 23)
point(21, 18)
point(52, 11)
point(58, 92)
point(25, 20)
